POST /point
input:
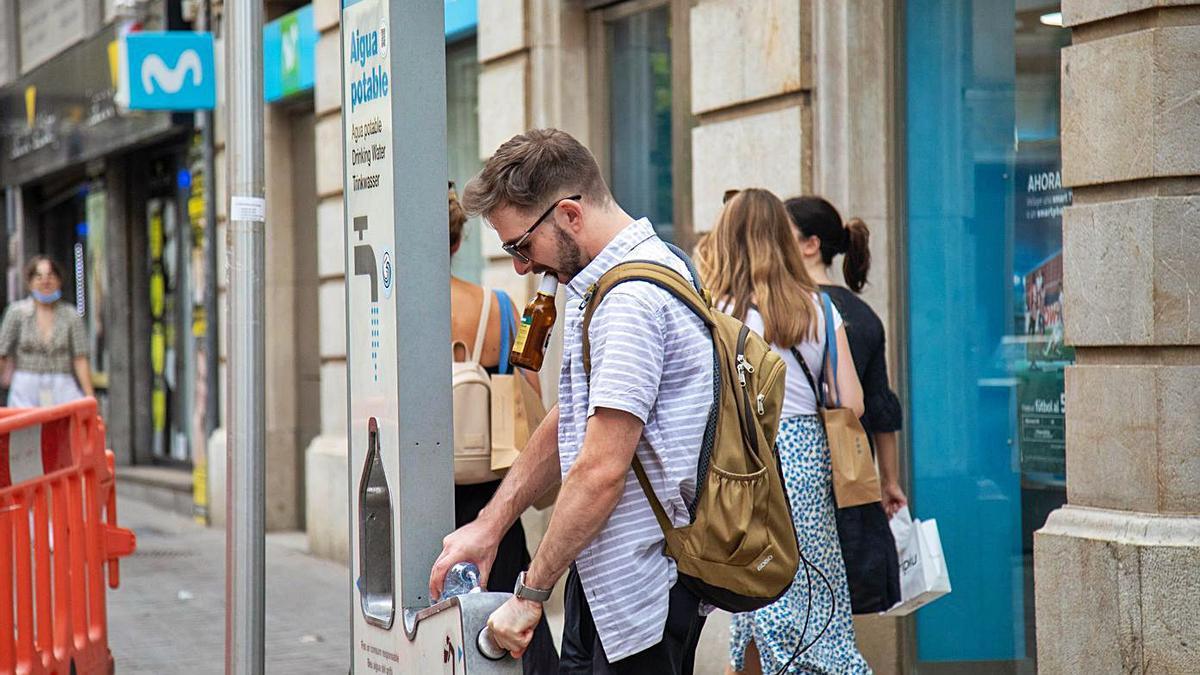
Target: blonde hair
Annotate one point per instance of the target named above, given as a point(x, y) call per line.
point(752, 259)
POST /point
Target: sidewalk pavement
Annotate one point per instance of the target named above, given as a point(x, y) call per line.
point(168, 616)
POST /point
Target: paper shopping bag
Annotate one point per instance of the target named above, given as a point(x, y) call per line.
point(924, 576)
point(516, 411)
point(855, 479)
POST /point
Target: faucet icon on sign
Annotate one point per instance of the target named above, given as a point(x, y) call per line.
point(364, 263)
point(364, 258)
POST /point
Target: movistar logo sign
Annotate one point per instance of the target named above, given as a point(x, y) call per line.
point(169, 70)
point(156, 76)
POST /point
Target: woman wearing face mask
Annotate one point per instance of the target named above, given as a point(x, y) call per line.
point(45, 342)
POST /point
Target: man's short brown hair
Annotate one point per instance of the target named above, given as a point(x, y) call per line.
point(531, 170)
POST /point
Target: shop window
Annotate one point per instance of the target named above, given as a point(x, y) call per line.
point(637, 127)
point(984, 201)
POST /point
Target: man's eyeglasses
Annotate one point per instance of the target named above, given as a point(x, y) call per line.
point(514, 247)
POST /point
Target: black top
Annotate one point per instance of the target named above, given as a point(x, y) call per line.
point(864, 331)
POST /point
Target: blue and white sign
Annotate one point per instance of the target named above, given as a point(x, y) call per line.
point(170, 70)
point(289, 55)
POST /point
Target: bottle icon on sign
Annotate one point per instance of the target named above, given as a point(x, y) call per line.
point(376, 583)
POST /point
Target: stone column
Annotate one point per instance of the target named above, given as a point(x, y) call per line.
point(327, 517)
point(506, 80)
point(1116, 568)
point(533, 74)
point(854, 168)
point(751, 105)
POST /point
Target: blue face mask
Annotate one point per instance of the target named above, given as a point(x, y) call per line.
point(47, 298)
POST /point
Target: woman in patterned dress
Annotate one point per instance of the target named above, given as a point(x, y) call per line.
point(43, 343)
point(752, 264)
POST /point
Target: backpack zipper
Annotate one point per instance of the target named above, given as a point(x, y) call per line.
point(743, 367)
point(761, 399)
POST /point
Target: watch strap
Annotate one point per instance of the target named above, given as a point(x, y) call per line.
point(528, 593)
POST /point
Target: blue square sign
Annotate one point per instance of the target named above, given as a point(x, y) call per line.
point(170, 70)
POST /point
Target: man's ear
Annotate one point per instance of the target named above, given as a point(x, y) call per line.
point(572, 213)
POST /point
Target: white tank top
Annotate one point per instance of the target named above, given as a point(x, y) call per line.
point(798, 396)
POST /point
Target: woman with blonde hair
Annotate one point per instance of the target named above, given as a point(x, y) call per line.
point(752, 264)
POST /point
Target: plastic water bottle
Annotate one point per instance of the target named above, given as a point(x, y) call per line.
point(462, 578)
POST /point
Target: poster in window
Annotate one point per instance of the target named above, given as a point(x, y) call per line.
point(1038, 319)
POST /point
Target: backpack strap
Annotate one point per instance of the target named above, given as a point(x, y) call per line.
point(507, 330)
point(690, 265)
point(481, 331)
point(655, 273)
point(696, 299)
point(660, 514)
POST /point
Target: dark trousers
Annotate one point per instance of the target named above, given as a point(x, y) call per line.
point(675, 654)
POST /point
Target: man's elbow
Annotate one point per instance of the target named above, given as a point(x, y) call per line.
point(604, 480)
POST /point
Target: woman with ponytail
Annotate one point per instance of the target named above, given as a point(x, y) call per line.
point(867, 544)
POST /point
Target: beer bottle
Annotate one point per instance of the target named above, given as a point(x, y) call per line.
point(533, 335)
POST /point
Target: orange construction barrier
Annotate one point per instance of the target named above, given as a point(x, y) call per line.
point(58, 514)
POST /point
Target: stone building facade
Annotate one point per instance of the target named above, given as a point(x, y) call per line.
point(1114, 566)
point(938, 123)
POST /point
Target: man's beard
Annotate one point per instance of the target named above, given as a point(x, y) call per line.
point(570, 255)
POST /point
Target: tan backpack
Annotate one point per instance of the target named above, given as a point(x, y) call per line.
point(472, 393)
point(739, 552)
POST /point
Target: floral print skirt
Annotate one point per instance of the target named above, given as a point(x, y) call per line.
point(800, 615)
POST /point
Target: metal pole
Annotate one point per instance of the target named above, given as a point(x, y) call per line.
point(211, 312)
point(244, 540)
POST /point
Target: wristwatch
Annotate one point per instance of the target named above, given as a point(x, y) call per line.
point(526, 593)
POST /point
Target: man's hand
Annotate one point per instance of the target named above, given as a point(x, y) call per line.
point(893, 498)
point(513, 623)
point(475, 542)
